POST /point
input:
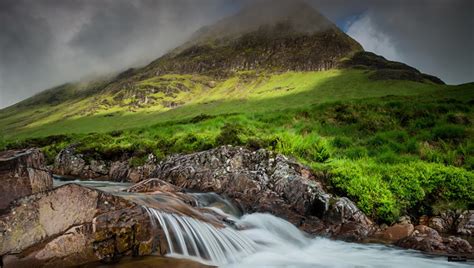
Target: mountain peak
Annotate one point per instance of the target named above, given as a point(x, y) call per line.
point(298, 15)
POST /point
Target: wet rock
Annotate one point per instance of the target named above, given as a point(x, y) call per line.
point(404, 220)
point(72, 225)
point(118, 171)
point(466, 223)
point(428, 239)
point(424, 220)
point(68, 163)
point(396, 232)
point(152, 185)
point(439, 224)
point(22, 173)
point(261, 181)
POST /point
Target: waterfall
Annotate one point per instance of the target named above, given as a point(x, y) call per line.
point(197, 240)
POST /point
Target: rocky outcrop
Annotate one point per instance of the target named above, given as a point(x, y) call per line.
point(466, 223)
point(22, 173)
point(261, 181)
point(384, 69)
point(451, 222)
point(72, 225)
point(70, 164)
point(428, 239)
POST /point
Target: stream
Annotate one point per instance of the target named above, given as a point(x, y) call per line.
point(252, 240)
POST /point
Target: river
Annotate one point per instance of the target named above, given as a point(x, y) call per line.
point(255, 240)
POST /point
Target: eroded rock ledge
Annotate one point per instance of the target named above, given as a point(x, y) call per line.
point(261, 181)
point(22, 173)
point(72, 225)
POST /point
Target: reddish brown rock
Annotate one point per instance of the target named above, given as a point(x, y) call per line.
point(22, 173)
point(396, 232)
point(428, 239)
point(72, 225)
point(466, 223)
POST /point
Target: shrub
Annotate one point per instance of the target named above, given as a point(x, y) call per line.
point(387, 191)
point(369, 191)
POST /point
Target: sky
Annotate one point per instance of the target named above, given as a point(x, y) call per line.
point(45, 43)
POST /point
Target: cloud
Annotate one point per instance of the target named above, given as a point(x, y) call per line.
point(435, 36)
point(371, 39)
point(44, 43)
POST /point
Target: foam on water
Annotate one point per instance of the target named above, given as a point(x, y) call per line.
point(263, 240)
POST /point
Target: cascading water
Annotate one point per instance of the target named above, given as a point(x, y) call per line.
point(201, 241)
point(263, 240)
point(260, 240)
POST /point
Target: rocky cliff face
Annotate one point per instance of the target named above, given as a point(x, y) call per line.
point(22, 173)
point(269, 35)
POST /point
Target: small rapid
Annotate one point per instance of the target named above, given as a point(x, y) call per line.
point(258, 240)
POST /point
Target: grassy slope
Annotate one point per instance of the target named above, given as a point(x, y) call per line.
point(411, 153)
point(246, 93)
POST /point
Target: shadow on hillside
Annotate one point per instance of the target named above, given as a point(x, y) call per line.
point(338, 88)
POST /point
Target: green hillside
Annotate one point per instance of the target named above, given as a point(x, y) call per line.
point(186, 96)
point(393, 139)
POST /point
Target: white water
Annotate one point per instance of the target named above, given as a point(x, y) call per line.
point(268, 241)
point(263, 240)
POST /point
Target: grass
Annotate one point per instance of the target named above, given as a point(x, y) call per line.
point(394, 147)
point(247, 92)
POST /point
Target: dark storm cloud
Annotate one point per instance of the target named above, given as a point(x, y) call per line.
point(44, 43)
point(436, 36)
point(25, 45)
point(47, 42)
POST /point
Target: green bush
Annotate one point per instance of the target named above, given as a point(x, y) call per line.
point(387, 191)
point(369, 191)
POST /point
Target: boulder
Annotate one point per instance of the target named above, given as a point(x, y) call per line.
point(428, 239)
point(69, 163)
point(73, 225)
point(396, 232)
point(439, 224)
point(466, 223)
point(262, 181)
point(22, 173)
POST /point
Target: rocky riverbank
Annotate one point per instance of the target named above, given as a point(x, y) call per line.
point(73, 225)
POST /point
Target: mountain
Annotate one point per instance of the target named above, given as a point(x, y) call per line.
point(271, 49)
point(277, 76)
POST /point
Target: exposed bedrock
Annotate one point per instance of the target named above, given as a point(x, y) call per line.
point(22, 173)
point(70, 164)
point(261, 181)
point(72, 225)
